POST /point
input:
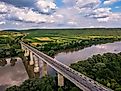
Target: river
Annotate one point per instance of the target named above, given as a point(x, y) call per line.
point(72, 57)
point(82, 54)
point(15, 73)
point(11, 73)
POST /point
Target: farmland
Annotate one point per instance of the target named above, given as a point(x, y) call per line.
point(9, 45)
point(51, 41)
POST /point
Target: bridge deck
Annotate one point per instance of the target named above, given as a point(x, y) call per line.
point(83, 82)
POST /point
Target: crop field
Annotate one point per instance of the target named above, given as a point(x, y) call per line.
point(63, 36)
point(58, 39)
point(6, 38)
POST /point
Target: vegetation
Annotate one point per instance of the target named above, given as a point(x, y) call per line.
point(51, 41)
point(35, 84)
point(9, 45)
point(44, 84)
point(106, 69)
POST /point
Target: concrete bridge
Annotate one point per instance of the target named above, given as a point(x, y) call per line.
point(83, 82)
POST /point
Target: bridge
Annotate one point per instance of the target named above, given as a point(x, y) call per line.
point(83, 82)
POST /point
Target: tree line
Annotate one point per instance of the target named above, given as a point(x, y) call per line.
point(52, 48)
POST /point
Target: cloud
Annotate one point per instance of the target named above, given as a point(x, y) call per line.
point(11, 12)
point(108, 2)
point(1, 23)
point(45, 6)
point(45, 13)
point(82, 3)
point(105, 15)
point(88, 3)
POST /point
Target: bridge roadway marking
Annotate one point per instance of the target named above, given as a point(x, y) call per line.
point(73, 75)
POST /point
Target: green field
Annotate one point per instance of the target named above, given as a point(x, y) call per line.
point(51, 40)
point(9, 45)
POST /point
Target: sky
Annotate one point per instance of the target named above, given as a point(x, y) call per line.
point(25, 14)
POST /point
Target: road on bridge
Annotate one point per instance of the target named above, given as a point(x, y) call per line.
point(80, 80)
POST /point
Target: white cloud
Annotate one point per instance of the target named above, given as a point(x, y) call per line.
point(106, 19)
point(88, 3)
point(105, 15)
point(102, 10)
point(45, 6)
point(118, 7)
point(82, 3)
point(74, 13)
point(108, 2)
point(22, 14)
point(1, 23)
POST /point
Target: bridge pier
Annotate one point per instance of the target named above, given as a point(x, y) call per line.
point(36, 64)
point(22, 47)
point(44, 69)
point(25, 52)
point(60, 80)
point(31, 62)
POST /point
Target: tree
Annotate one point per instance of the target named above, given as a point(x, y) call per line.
point(75, 89)
point(51, 52)
point(13, 88)
point(60, 89)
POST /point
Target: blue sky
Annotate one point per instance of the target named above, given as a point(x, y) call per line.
point(21, 14)
point(115, 7)
point(59, 3)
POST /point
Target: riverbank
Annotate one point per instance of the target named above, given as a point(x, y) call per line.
point(80, 46)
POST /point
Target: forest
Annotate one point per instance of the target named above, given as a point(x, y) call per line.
point(106, 69)
point(46, 83)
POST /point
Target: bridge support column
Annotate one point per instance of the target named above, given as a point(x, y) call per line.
point(22, 47)
point(31, 62)
point(60, 80)
point(36, 64)
point(25, 52)
point(44, 69)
